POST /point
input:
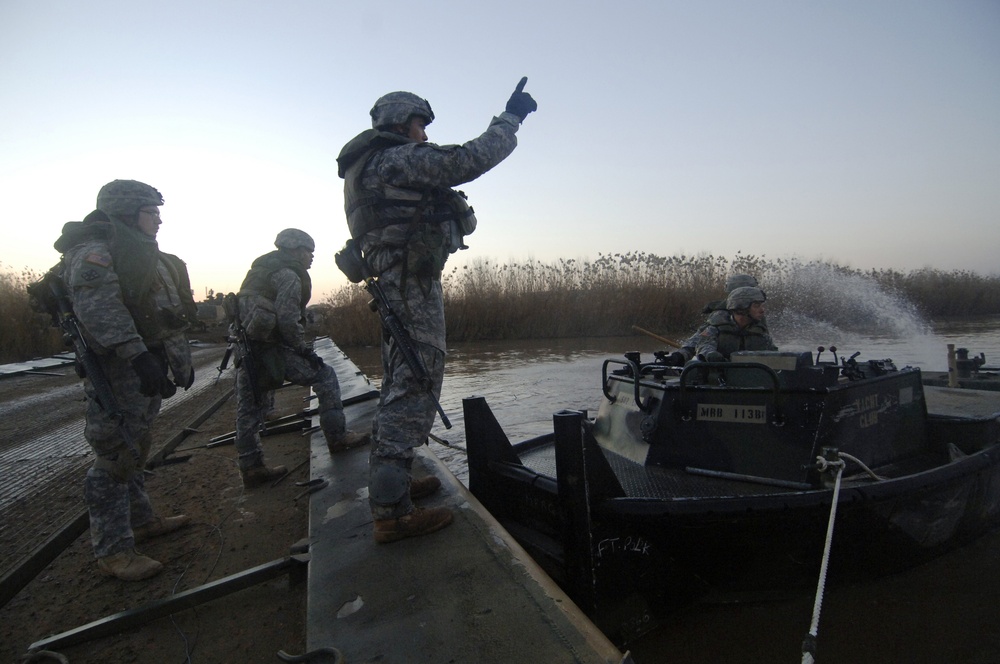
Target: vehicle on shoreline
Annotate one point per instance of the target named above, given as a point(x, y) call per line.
point(718, 479)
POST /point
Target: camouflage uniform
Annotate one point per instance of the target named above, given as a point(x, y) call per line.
point(689, 346)
point(93, 272)
point(408, 258)
point(272, 304)
point(724, 335)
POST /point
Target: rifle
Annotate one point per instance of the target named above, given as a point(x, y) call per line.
point(225, 360)
point(57, 302)
point(244, 355)
point(353, 264)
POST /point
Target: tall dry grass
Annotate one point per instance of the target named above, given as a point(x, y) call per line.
point(487, 300)
point(24, 334)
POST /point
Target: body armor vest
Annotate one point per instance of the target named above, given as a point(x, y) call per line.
point(258, 279)
point(136, 258)
point(752, 337)
point(440, 217)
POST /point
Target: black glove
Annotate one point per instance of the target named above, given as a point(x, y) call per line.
point(676, 359)
point(521, 103)
point(152, 375)
point(713, 356)
point(314, 360)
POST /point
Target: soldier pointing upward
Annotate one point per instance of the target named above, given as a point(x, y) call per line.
point(406, 217)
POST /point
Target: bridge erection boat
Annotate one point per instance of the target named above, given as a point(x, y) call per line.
point(717, 480)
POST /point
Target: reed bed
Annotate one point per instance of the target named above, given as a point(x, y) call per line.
point(24, 334)
point(529, 299)
point(490, 300)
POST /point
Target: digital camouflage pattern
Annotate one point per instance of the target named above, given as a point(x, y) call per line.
point(397, 107)
point(405, 412)
point(723, 335)
point(741, 298)
point(282, 350)
point(293, 238)
point(735, 281)
point(114, 486)
point(300, 371)
point(273, 299)
point(123, 198)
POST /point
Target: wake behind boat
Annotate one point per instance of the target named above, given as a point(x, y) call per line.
point(719, 478)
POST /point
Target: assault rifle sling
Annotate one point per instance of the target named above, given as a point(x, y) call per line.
point(353, 264)
point(86, 358)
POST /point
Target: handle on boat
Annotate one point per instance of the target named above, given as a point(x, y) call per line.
point(636, 376)
point(673, 343)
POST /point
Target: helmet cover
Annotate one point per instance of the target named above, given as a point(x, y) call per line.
point(738, 280)
point(123, 198)
point(743, 297)
point(396, 108)
point(293, 238)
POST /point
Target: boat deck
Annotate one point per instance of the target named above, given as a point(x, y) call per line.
point(466, 594)
point(971, 403)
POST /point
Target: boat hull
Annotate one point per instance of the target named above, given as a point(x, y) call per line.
point(631, 556)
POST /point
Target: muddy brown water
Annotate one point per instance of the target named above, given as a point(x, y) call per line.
point(943, 611)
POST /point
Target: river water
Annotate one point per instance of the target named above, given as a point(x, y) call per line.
point(945, 611)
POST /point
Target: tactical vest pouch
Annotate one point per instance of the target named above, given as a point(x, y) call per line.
point(270, 364)
point(349, 260)
point(464, 214)
point(259, 318)
point(427, 251)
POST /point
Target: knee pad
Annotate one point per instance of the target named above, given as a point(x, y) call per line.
point(388, 484)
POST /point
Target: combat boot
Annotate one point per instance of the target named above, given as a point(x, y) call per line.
point(160, 525)
point(421, 521)
point(261, 474)
point(129, 566)
point(349, 440)
point(423, 487)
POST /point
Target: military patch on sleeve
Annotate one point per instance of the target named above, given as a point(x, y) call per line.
point(95, 258)
point(90, 274)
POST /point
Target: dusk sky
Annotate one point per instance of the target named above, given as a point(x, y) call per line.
point(861, 132)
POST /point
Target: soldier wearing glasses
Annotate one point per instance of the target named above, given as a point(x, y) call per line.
point(134, 304)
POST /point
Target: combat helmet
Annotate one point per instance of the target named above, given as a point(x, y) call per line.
point(741, 298)
point(122, 199)
point(739, 280)
point(293, 238)
point(397, 108)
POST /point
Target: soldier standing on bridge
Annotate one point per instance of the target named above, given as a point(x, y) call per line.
point(272, 308)
point(134, 304)
point(406, 218)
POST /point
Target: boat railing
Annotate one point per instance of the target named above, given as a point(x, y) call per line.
point(632, 369)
